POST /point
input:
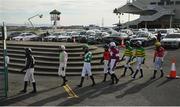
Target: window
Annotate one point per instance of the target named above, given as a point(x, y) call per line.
point(160, 3)
point(153, 3)
point(170, 3)
point(178, 2)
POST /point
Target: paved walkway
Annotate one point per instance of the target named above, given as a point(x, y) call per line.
point(146, 92)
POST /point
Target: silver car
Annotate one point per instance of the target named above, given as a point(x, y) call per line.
point(171, 40)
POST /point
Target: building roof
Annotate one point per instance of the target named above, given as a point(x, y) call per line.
point(55, 12)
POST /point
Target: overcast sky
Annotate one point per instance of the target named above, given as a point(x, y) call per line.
point(74, 12)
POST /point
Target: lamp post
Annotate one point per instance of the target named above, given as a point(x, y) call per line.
point(29, 19)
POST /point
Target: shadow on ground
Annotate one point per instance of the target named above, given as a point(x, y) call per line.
point(19, 97)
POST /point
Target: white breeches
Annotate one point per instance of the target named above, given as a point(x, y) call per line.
point(158, 63)
point(139, 61)
point(86, 69)
point(112, 71)
point(61, 71)
point(127, 58)
point(106, 66)
point(29, 76)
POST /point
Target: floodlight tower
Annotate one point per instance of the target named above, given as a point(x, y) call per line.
point(37, 15)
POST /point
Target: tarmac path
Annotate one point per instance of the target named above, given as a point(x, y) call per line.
point(138, 92)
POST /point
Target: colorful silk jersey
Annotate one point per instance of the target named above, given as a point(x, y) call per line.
point(88, 57)
point(159, 52)
point(140, 52)
point(106, 55)
point(128, 51)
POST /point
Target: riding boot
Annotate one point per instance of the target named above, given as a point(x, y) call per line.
point(117, 80)
point(105, 76)
point(92, 78)
point(64, 81)
point(112, 78)
point(125, 69)
point(141, 73)
point(134, 76)
point(132, 71)
point(82, 80)
point(162, 73)
point(25, 87)
point(154, 76)
point(34, 87)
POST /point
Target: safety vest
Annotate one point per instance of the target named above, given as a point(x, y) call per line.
point(128, 51)
point(88, 57)
point(140, 52)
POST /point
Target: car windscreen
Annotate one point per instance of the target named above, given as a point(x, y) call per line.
point(123, 35)
point(173, 36)
point(142, 35)
point(56, 34)
point(28, 34)
point(162, 31)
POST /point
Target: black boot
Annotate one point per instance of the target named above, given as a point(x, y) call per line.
point(141, 73)
point(112, 78)
point(82, 80)
point(117, 80)
point(134, 76)
point(154, 76)
point(132, 72)
point(162, 73)
point(92, 78)
point(125, 69)
point(64, 81)
point(25, 87)
point(105, 75)
point(34, 87)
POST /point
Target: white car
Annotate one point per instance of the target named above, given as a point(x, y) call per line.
point(51, 37)
point(105, 34)
point(146, 38)
point(128, 31)
point(165, 32)
point(25, 36)
point(62, 37)
point(171, 40)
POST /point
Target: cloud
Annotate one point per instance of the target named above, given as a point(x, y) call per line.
point(73, 11)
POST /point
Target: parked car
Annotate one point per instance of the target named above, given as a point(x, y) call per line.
point(171, 40)
point(153, 31)
point(62, 37)
point(117, 38)
point(24, 37)
point(146, 38)
point(92, 40)
point(128, 31)
point(50, 38)
point(13, 34)
point(165, 32)
point(40, 37)
point(105, 34)
point(73, 36)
